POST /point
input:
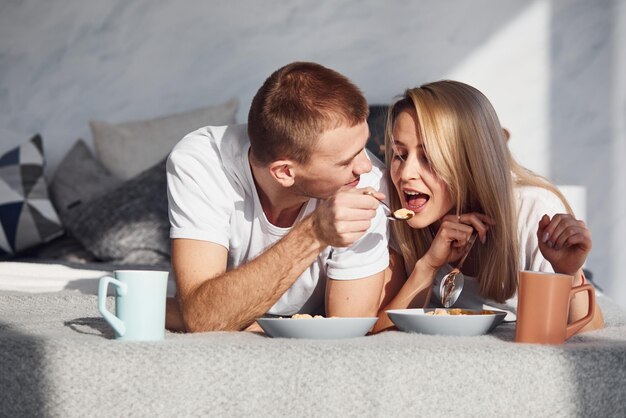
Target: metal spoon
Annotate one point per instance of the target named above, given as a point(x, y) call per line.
point(452, 283)
point(399, 215)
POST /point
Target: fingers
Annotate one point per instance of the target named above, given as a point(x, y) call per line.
point(347, 215)
point(564, 241)
point(366, 198)
point(352, 205)
point(476, 221)
point(448, 243)
point(543, 223)
point(459, 233)
point(563, 231)
point(337, 232)
point(369, 191)
point(347, 233)
point(453, 236)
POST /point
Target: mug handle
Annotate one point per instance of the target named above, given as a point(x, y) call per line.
point(574, 327)
point(122, 289)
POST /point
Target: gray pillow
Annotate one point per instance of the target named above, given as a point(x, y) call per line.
point(65, 248)
point(377, 121)
point(128, 148)
point(129, 224)
point(79, 178)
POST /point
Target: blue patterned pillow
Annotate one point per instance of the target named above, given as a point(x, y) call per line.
point(27, 217)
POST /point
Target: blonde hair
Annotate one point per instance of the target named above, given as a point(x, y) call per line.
point(467, 150)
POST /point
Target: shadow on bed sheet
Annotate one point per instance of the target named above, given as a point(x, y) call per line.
point(595, 363)
point(22, 389)
point(87, 286)
point(92, 326)
point(599, 376)
point(96, 265)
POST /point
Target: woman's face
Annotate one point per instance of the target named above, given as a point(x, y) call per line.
point(418, 187)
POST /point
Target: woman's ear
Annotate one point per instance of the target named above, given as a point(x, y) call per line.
point(506, 133)
point(283, 172)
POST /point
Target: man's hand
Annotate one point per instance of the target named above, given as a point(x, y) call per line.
point(343, 218)
point(564, 241)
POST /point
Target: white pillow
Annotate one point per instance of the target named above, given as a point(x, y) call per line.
point(126, 149)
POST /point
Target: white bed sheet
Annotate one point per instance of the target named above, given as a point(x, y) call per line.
point(43, 277)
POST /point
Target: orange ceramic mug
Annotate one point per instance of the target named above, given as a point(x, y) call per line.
point(543, 307)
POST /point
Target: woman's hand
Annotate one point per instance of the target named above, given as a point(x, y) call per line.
point(564, 241)
point(453, 235)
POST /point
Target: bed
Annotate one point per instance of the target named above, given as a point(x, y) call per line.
point(58, 358)
point(108, 210)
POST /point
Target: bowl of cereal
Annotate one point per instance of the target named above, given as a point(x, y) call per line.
point(452, 321)
point(316, 327)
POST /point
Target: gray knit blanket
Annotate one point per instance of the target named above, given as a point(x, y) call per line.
point(58, 359)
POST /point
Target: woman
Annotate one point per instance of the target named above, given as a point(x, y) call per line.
point(449, 163)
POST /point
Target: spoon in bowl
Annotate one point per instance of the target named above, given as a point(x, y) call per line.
point(452, 283)
point(401, 214)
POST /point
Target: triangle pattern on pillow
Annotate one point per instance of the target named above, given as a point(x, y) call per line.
point(27, 217)
point(27, 234)
point(10, 158)
point(8, 194)
point(9, 217)
point(44, 208)
point(30, 174)
point(30, 153)
point(10, 174)
point(39, 190)
point(5, 248)
point(47, 229)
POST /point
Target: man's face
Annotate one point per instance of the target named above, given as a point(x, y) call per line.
point(337, 162)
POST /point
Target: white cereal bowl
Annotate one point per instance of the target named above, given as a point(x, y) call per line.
point(316, 328)
point(416, 320)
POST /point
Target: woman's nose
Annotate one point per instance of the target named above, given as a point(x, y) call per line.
point(410, 170)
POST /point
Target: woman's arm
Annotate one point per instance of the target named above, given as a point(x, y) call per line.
point(401, 293)
point(448, 245)
point(565, 242)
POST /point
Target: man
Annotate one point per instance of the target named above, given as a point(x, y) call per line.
point(271, 218)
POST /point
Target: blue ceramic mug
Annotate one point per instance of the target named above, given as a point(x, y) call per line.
point(139, 304)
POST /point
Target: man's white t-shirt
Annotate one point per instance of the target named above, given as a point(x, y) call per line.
point(212, 197)
point(532, 203)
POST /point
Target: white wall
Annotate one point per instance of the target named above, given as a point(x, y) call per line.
point(614, 197)
point(553, 70)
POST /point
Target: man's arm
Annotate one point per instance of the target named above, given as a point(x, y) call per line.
point(212, 299)
point(358, 297)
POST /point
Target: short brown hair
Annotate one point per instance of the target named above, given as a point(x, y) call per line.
point(296, 104)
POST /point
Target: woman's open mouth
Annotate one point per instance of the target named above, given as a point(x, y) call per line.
point(415, 201)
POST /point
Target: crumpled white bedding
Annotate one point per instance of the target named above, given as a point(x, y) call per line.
point(50, 276)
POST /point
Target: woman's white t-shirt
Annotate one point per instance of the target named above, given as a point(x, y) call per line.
point(212, 197)
point(532, 202)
